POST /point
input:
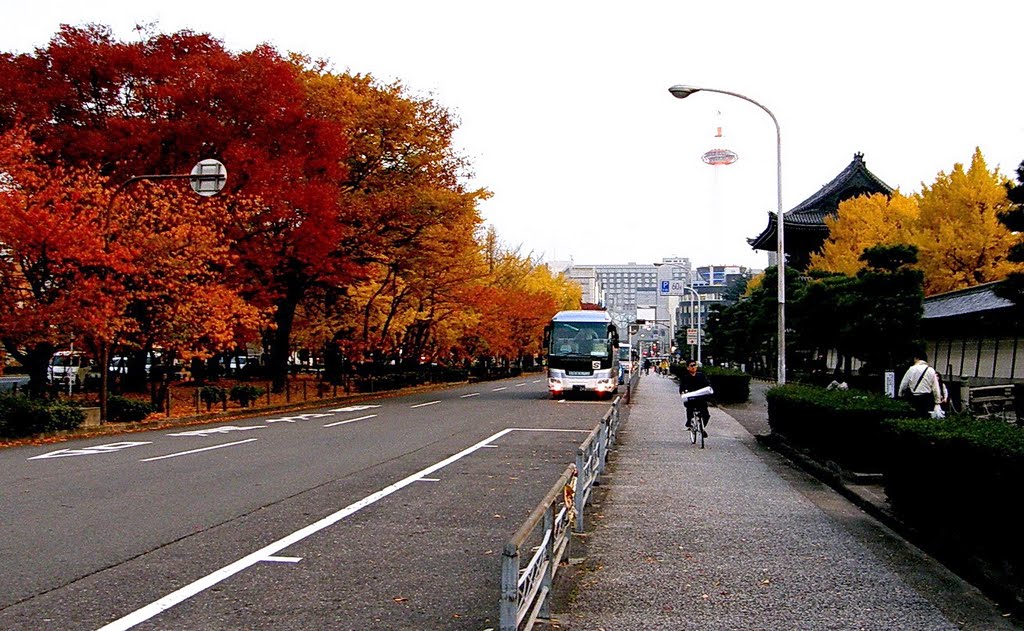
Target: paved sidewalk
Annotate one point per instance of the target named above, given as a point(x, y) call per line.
point(733, 537)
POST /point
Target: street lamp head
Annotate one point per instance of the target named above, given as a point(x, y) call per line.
point(682, 91)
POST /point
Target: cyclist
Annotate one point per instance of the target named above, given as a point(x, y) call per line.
point(691, 380)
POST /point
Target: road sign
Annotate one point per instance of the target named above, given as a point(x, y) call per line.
point(672, 288)
point(691, 336)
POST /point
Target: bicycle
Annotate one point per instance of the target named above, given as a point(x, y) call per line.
point(697, 424)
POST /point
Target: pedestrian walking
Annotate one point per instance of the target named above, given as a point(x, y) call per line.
point(920, 386)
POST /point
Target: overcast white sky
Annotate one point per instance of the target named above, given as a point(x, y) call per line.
point(566, 116)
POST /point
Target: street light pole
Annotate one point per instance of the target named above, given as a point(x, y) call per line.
point(683, 91)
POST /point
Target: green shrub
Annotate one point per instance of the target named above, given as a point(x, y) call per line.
point(212, 394)
point(21, 416)
point(125, 410)
point(839, 425)
point(245, 394)
point(730, 386)
point(956, 479)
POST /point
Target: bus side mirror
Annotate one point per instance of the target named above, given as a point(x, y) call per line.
point(547, 336)
point(613, 334)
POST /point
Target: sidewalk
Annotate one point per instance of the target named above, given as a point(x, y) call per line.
point(734, 537)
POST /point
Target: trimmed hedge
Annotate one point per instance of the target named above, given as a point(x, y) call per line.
point(245, 394)
point(957, 480)
point(730, 386)
point(839, 425)
point(125, 410)
point(21, 416)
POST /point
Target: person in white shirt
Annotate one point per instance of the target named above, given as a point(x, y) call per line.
point(920, 385)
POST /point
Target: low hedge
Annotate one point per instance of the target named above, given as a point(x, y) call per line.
point(21, 416)
point(125, 410)
point(839, 425)
point(958, 469)
point(245, 394)
point(730, 386)
point(956, 480)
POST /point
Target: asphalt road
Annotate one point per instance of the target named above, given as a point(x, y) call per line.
point(387, 515)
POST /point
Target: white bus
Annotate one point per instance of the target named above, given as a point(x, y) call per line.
point(582, 353)
point(626, 362)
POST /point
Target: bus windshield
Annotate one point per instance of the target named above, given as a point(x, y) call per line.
point(588, 339)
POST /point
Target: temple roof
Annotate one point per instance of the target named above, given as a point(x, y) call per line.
point(971, 301)
point(809, 215)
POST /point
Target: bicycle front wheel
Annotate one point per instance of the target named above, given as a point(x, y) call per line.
point(694, 432)
point(698, 424)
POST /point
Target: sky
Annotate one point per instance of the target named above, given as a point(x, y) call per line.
point(566, 117)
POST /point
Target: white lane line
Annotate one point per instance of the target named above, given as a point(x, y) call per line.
point(430, 479)
point(466, 396)
point(537, 381)
point(520, 385)
point(351, 420)
point(421, 405)
point(195, 451)
point(500, 389)
point(145, 613)
point(283, 559)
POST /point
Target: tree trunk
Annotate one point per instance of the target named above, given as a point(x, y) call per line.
point(281, 343)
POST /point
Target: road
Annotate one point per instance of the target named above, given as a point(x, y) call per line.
point(390, 514)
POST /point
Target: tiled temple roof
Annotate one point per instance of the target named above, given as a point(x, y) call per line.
point(971, 301)
point(809, 215)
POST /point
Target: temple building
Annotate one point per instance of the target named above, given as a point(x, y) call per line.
point(805, 224)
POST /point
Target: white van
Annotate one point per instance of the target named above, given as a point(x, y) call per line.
point(68, 367)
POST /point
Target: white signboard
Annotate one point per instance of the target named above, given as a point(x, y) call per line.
point(691, 336)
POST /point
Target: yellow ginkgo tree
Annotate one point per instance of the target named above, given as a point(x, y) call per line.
point(954, 223)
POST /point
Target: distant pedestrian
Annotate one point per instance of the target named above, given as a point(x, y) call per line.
point(647, 366)
point(921, 387)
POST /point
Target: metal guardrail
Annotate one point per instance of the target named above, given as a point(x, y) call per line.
point(548, 531)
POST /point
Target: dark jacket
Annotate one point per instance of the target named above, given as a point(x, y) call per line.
point(689, 383)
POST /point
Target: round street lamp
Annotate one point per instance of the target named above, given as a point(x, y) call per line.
point(683, 91)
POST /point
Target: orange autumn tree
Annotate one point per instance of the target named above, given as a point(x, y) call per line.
point(515, 302)
point(178, 300)
point(410, 216)
point(158, 105)
point(50, 242)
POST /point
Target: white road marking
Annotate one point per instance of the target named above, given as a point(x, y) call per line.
point(537, 381)
point(500, 389)
point(292, 419)
point(520, 385)
point(356, 408)
point(420, 405)
point(430, 479)
point(283, 559)
point(88, 451)
point(218, 430)
point(351, 420)
point(195, 451)
point(466, 396)
point(269, 552)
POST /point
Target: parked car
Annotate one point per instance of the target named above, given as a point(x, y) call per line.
point(68, 368)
